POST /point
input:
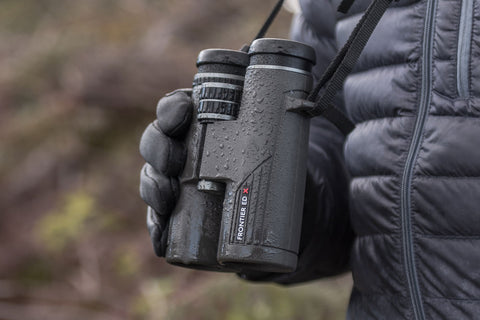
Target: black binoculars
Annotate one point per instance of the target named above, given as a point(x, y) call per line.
point(242, 188)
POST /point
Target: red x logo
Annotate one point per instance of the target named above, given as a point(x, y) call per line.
point(245, 190)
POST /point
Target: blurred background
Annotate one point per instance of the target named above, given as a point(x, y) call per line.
point(79, 82)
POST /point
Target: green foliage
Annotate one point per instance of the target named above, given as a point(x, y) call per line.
point(30, 11)
point(126, 262)
point(66, 224)
point(36, 272)
point(155, 299)
point(225, 297)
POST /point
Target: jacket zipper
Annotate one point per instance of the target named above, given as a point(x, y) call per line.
point(405, 200)
point(463, 51)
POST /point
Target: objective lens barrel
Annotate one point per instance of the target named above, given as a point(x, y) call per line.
point(264, 161)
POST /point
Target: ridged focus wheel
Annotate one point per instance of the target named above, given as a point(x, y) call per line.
point(219, 98)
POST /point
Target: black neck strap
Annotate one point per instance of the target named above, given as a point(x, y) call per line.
point(332, 79)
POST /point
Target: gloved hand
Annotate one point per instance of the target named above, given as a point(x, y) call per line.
point(162, 146)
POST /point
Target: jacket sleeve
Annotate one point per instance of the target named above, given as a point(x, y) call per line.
point(326, 232)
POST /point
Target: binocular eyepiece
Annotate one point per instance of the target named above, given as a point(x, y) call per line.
point(220, 80)
point(242, 188)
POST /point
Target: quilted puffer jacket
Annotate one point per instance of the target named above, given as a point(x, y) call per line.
point(412, 163)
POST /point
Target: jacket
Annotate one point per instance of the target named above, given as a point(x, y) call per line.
point(397, 201)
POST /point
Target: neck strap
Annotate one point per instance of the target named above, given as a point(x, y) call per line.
point(332, 79)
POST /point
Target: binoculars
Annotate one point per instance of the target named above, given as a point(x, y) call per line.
point(242, 189)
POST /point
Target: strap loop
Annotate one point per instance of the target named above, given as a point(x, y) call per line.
point(331, 113)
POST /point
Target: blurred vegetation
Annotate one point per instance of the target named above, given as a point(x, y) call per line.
point(79, 82)
point(224, 297)
point(59, 228)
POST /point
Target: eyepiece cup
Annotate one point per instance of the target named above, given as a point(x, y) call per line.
point(283, 47)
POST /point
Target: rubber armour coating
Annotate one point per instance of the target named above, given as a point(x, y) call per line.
point(260, 158)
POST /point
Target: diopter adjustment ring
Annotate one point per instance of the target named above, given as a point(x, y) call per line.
point(210, 109)
point(221, 92)
point(219, 100)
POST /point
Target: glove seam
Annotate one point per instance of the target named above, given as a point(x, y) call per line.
point(169, 152)
point(169, 156)
point(181, 124)
point(156, 186)
point(175, 190)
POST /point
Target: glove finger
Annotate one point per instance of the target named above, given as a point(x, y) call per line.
point(174, 113)
point(158, 228)
point(158, 190)
point(164, 154)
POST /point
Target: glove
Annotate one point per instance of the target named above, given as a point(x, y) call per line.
point(163, 148)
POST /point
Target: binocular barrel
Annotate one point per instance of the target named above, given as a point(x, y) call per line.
point(247, 161)
point(195, 222)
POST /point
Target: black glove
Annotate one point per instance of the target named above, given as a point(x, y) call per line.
point(162, 146)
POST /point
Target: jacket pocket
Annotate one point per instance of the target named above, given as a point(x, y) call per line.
point(463, 51)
